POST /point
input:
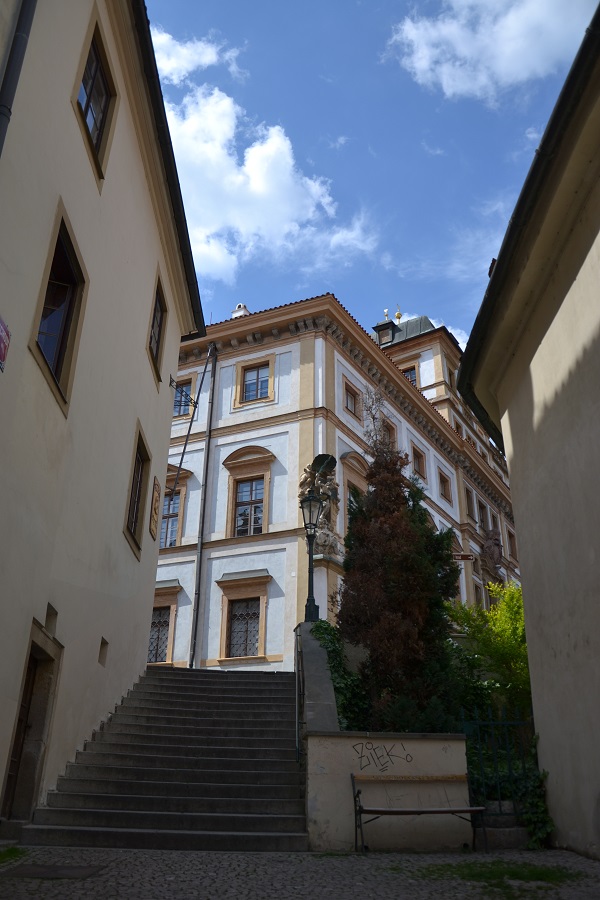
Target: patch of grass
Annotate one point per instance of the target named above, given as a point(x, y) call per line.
point(506, 879)
point(9, 854)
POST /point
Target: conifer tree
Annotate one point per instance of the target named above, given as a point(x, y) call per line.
point(399, 572)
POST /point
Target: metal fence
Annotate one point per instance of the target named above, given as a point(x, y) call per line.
point(500, 757)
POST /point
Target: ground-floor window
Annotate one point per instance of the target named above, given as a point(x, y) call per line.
point(243, 631)
point(159, 634)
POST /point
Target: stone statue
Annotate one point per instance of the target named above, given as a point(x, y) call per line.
point(491, 554)
point(319, 478)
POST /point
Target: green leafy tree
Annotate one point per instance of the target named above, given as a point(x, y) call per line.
point(399, 573)
point(497, 644)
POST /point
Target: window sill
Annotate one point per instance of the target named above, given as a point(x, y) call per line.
point(48, 374)
point(133, 543)
point(227, 660)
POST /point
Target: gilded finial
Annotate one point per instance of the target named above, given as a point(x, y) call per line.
point(385, 313)
point(398, 314)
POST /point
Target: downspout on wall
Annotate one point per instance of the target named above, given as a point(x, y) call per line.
point(14, 63)
point(196, 611)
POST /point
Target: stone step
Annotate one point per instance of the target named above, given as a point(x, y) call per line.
point(163, 804)
point(503, 838)
point(234, 790)
point(200, 727)
point(189, 760)
point(192, 733)
point(117, 734)
point(232, 704)
point(218, 713)
point(214, 751)
point(166, 821)
point(142, 839)
point(225, 674)
point(281, 775)
point(217, 682)
point(206, 763)
point(260, 695)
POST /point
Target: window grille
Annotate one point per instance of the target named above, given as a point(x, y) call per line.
point(159, 634)
point(244, 617)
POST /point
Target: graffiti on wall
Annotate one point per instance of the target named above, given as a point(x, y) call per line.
point(380, 757)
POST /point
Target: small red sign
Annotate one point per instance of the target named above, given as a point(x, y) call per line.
point(463, 557)
point(4, 342)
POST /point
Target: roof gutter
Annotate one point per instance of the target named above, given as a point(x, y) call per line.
point(8, 87)
point(558, 125)
point(142, 27)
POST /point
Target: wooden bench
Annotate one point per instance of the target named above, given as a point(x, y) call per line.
point(360, 810)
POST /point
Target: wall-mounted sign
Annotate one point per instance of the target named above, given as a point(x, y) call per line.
point(463, 557)
point(155, 508)
point(4, 342)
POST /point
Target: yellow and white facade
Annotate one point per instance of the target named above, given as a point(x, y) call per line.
point(278, 388)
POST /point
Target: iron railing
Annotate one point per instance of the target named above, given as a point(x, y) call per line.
point(500, 755)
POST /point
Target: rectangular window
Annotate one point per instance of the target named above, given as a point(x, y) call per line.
point(159, 634)
point(495, 522)
point(157, 328)
point(94, 95)
point(351, 401)
point(61, 308)
point(470, 504)
point(512, 544)
point(458, 428)
point(478, 595)
point(249, 498)
point(137, 494)
point(256, 383)
point(181, 401)
point(411, 374)
point(483, 515)
point(418, 460)
point(170, 520)
point(445, 487)
point(243, 630)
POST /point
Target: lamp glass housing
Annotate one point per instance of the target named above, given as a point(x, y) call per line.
point(311, 506)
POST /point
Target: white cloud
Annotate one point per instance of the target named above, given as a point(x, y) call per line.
point(461, 336)
point(480, 48)
point(253, 202)
point(338, 143)
point(177, 60)
point(432, 151)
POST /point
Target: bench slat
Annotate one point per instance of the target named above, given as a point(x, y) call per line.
point(376, 778)
point(422, 811)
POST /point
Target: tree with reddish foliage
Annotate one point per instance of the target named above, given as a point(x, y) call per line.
point(399, 572)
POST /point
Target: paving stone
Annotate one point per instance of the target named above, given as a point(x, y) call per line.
point(206, 875)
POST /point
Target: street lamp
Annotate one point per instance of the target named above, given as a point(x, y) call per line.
point(311, 506)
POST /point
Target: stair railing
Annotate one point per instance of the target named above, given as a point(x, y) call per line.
point(299, 670)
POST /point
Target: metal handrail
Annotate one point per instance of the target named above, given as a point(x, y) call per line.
point(299, 671)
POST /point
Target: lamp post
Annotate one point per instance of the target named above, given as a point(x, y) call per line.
point(311, 506)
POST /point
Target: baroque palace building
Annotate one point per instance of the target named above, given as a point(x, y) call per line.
point(274, 389)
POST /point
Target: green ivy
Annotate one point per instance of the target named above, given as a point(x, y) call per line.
point(352, 704)
point(531, 797)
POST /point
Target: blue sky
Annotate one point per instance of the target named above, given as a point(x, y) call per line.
point(372, 148)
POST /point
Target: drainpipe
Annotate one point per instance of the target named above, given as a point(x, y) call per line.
point(209, 413)
point(8, 88)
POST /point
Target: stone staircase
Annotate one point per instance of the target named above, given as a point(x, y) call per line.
point(191, 760)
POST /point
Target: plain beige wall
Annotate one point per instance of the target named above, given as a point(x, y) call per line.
point(64, 481)
point(552, 433)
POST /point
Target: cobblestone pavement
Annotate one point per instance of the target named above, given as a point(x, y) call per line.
point(154, 875)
